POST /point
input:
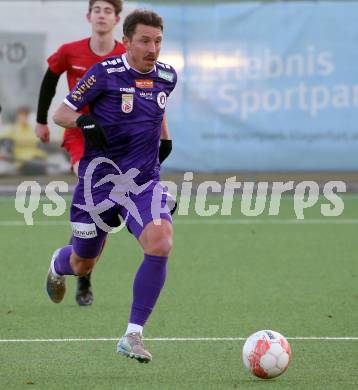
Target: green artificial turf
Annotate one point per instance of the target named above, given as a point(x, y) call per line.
point(225, 279)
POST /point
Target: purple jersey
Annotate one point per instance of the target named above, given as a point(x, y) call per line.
point(129, 105)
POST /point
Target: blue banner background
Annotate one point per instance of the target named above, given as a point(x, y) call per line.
point(263, 86)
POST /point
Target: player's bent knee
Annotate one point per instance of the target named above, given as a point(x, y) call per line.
point(157, 240)
point(82, 266)
point(160, 247)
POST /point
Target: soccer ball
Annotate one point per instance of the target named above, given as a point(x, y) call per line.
point(266, 354)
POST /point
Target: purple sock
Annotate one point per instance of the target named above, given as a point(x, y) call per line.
point(147, 285)
point(62, 263)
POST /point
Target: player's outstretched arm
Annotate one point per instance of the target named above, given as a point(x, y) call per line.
point(47, 92)
point(165, 146)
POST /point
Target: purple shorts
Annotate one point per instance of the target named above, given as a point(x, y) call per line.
point(93, 216)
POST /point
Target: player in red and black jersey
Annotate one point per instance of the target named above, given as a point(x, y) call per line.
point(74, 59)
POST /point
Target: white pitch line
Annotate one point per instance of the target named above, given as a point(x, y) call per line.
point(252, 221)
point(170, 339)
point(214, 221)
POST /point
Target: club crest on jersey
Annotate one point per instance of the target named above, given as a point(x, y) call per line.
point(127, 102)
point(162, 99)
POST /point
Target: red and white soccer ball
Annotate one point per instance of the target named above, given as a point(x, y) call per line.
point(266, 354)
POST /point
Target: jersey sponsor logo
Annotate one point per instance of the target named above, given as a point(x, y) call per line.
point(127, 89)
point(111, 62)
point(81, 89)
point(115, 61)
point(84, 230)
point(144, 83)
point(162, 99)
point(119, 70)
point(127, 102)
point(146, 95)
point(169, 76)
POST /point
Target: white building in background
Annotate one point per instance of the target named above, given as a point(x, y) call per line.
point(29, 32)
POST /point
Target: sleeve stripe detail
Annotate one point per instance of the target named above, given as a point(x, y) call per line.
point(69, 104)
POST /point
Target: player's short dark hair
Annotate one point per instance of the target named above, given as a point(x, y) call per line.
point(141, 16)
point(117, 4)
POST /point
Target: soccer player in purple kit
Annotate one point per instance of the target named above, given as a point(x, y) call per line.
point(127, 96)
